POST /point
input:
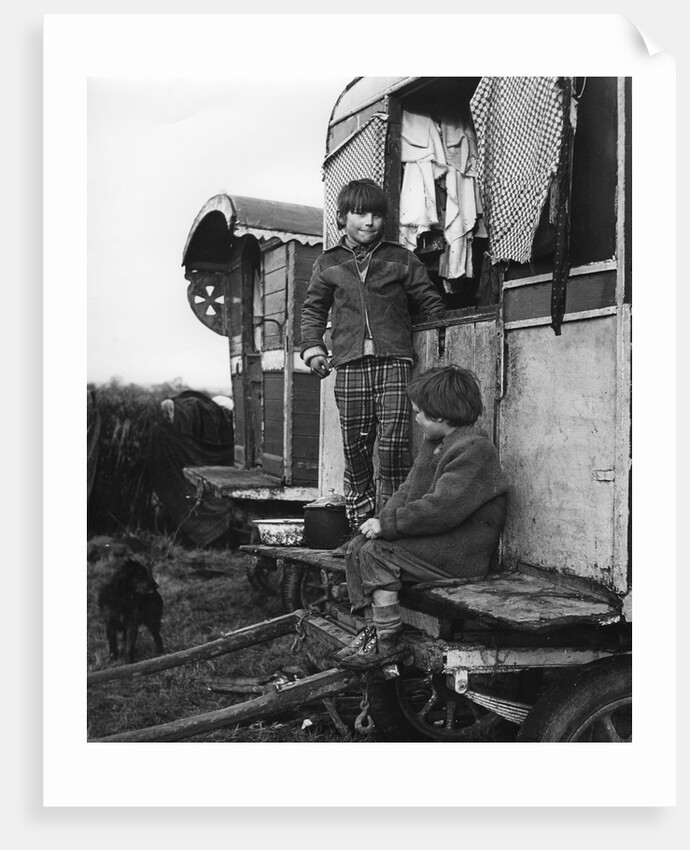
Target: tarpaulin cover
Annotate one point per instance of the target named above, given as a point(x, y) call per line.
point(201, 434)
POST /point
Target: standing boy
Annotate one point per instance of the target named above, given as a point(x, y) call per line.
point(444, 522)
point(367, 284)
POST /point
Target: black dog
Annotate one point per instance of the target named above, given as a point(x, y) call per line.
point(130, 599)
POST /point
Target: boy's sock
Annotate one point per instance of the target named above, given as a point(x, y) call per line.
point(388, 621)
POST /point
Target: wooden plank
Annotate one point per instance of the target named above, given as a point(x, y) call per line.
point(588, 292)
point(498, 659)
point(273, 463)
point(228, 482)
point(320, 559)
point(516, 601)
point(306, 447)
point(274, 306)
point(305, 425)
point(290, 695)
point(275, 259)
point(288, 337)
point(230, 642)
point(304, 265)
point(304, 471)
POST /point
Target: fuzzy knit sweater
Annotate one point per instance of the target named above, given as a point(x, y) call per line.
point(451, 509)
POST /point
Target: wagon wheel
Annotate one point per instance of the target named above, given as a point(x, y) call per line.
point(264, 578)
point(206, 297)
point(592, 704)
point(424, 708)
point(300, 588)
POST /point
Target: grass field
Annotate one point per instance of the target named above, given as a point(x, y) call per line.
point(205, 593)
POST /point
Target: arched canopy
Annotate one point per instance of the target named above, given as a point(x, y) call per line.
point(224, 217)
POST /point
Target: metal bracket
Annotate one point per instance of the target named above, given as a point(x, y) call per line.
point(460, 678)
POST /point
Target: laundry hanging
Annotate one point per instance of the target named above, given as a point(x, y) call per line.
point(423, 162)
point(435, 153)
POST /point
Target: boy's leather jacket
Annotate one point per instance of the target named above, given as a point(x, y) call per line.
point(394, 276)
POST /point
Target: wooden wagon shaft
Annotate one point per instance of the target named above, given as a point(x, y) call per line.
point(231, 642)
point(318, 686)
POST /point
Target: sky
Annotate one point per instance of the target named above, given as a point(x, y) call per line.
point(158, 149)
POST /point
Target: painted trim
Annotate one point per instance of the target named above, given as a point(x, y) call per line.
point(569, 317)
point(273, 361)
point(578, 271)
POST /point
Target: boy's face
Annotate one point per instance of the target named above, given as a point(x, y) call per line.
point(433, 429)
point(363, 228)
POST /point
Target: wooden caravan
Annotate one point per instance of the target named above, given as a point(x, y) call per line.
point(248, 262)
point(549, 337)
point(537, 286)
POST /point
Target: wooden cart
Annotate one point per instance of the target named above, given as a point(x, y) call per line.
point(248, 263)
point(541, 650)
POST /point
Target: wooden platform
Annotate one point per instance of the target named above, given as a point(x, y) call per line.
point(516, 600)
point(226, 482)
point(319, 559)
point(526, 599)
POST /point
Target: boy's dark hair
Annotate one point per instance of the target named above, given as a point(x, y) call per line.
point(447, 392)
point(360, 196)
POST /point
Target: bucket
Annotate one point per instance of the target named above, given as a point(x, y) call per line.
point(325, 522)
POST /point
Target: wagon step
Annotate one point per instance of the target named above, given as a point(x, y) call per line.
point(285, 696)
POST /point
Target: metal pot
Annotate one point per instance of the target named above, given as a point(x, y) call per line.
point(325, 522)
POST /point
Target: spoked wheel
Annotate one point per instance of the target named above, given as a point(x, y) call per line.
point(592, 704)
point(425, 708)
point(301, 588)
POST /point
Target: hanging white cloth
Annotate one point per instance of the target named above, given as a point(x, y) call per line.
point(460, 147)
point(424, 162)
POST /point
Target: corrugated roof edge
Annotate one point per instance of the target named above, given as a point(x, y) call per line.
point(272, 218)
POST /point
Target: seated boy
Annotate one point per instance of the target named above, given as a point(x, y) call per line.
point(443, 522)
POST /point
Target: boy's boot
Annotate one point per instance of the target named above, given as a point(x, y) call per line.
point(388, 644)
point(365, 634)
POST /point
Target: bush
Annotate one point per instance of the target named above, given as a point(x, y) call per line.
point(120, 494)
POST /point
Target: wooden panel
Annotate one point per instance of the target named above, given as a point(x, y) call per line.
point(515, 600)
point(273, 436)
point(275, 259)
point(274, 415)
point(471, 345)
point(305, 472)
point(305, 424)
point(558, 447)
point(239, 419)
point(305, 446)
point(272, 464)
point(585, 292)
point(346, 128)
point(305, 428)
point(275, 282)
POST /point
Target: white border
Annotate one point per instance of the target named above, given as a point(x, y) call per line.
point(77, 774)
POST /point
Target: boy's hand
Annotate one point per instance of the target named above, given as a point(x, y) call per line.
point(319, 365)
point(371, 528)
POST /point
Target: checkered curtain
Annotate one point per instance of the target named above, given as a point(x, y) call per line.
point(519, 125)
point(363, 155)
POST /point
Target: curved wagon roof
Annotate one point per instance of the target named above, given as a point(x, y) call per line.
point(224, 217)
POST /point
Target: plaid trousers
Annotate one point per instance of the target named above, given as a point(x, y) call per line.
point(372, 402)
